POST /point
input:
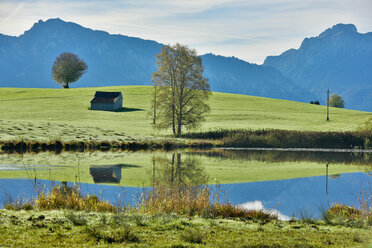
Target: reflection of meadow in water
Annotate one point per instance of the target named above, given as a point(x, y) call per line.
point(279, 181)
point(219, 166)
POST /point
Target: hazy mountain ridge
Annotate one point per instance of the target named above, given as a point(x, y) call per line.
point(339, 58)
point(111, 59)
point(121, 60)
point(230, 74)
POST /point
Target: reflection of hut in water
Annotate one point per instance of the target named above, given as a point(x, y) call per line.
point(106, 174)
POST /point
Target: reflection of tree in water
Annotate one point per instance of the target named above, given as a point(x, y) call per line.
point(178, 186)
point(334, 176)
point(176, 171)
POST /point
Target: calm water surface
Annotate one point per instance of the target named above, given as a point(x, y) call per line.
point(291, 183)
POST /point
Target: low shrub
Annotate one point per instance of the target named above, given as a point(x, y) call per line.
point(193, 235)
point(194, 200)
point(17, 204)
point(76, 219)
point(227, 210)
point(186, 199)
point(113, 235)
point(340, 214)
point(65, 197)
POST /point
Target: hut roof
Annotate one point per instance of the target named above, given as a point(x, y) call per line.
point(105, 97)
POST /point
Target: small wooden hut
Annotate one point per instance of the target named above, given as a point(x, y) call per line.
point(108, 101)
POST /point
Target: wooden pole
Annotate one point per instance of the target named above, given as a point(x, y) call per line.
point(155, 105)
point(327, 179)
point(328, 104)
point(153, 173)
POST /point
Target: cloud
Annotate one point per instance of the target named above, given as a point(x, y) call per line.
point(257, 205)
point(247, 29)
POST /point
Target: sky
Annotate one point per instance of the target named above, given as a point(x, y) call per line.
point(249, 30)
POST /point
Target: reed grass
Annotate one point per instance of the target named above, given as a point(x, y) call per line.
point(273, 138)
point(65, 197)
point(356, 216)
point(195, 200)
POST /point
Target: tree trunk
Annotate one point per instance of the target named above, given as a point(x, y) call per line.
point(65, 86)
point(179, 120)
point(179, 127)
point(179, 168)
point(172, 175)
point(173, 119)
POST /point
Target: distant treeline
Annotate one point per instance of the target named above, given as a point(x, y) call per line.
point(286, 138)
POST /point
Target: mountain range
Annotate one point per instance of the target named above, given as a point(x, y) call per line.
point(339, 58)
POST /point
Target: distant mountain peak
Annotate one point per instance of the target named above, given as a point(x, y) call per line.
point(339, 58)
point(51, 26)
point(339, 28)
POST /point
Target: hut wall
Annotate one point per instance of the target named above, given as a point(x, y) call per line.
point(102, 106)
point(118, 103)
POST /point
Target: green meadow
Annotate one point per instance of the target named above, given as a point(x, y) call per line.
point(49, 114)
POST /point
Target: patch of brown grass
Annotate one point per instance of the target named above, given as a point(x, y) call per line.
point(194, 200)
point(65, 197)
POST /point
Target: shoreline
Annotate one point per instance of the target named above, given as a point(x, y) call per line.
point(234, 139)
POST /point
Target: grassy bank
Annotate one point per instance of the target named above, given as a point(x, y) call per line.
point(58, 114)
point(177, 216)
point(219, 138)
point(83, 229)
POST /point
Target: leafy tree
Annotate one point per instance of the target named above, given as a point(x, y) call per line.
point(68, 68)
point(336, 101)
point(181, 90)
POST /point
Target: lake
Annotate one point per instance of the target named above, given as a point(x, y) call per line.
point(292, 183)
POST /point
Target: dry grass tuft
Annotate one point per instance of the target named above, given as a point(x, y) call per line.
point(65, 197)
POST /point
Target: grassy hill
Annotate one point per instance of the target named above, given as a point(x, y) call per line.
point(46, 114)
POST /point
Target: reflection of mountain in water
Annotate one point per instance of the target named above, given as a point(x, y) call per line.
point(106, 174)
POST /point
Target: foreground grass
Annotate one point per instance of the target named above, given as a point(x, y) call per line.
point(60, 114)
point(176, 215)
point(132, 229)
